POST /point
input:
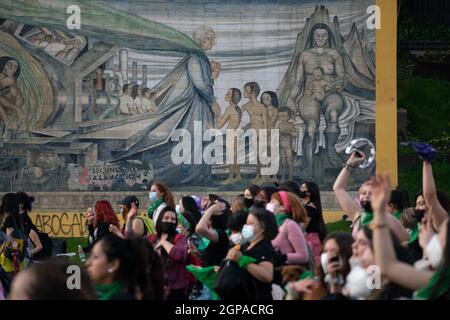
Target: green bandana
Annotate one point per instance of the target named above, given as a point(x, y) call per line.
point(154, 206)
point(306, 275)
point(183, 221)
point(366, 219)
point(442, 287)
point(414, 234)
point(281, 217)
point(207, 276)
point(397, 214)
point(106, 291)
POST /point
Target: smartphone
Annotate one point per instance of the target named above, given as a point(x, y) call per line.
point(334, 259)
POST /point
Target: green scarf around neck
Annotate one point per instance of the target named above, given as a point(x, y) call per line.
point(281, 217)
point(366, 219)
point(106, 291)
point(154, 206)
point(397, 214)
point(441, 278)
point(414, 234)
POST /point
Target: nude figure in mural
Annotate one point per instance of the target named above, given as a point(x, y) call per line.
point(232, 116)
point(258, 116)
point(11, 99)
point(287, 134)
point(319, 53)
point(270, 100)
point(126, 101)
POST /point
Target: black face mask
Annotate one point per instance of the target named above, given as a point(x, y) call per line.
point(367, 206)
point(419, 214)
point(303, 194)
point(168, 227)
point(248, 202)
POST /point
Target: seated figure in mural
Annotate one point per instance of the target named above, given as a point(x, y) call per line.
point(126, 101)
point(148, 101)
point(258, 117)
point(319, 53)
point(11, 99)
point(232, 116)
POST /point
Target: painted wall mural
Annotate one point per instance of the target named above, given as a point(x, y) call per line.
point(102, 107)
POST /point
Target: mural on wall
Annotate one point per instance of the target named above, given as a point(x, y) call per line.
point(98, 108)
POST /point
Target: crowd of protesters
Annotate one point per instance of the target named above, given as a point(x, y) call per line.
point(270, 242)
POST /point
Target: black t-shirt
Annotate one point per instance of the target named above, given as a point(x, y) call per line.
point(314, 223)
point(9, 223)
point(215, 252)
point(28, 225)
point(262, 251)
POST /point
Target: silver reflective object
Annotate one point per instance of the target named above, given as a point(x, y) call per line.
point(356, 145)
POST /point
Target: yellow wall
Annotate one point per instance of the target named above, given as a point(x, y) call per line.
point(386, 90)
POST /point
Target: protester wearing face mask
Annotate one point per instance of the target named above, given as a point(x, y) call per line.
point(265, 195)
point(315, 227)
point(172, 247)
point(235, 225)
point(250, 193)
point(159, 196)
point(331, 271)
point(290, 242)
point(362, 283)
point(188, 204)
point(363, 215)
point(256, 256)
point(428, 284)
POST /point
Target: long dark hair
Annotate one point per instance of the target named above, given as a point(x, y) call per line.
point(190, 205)
point(344, 241)
point(267, 221)
point(159, 222)
point(139, 267)
point(134, 90)
point(10, 205)
point(5, 60)
point(314, 197)
point(273, 97)
point(25, 200)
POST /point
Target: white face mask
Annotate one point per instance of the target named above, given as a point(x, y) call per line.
point(353, 262)
point(272, 207)
point(434, 252)
point(324, 262)
point(236, 238)
point(248, 232)
point(357, 283)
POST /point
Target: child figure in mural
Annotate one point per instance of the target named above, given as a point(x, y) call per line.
point(258, 118)
point(270, 100)
point(232, 116)
point(136, 95)
point(287, 134)
point(126, 101)
point(148, 101)
point(11, 99)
